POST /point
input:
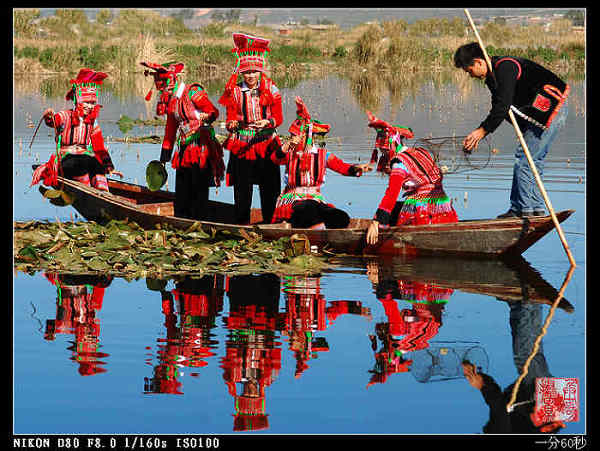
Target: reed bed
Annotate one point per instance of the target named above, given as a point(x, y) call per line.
point(116, 44)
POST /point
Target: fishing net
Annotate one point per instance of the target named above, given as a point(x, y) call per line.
point(450, 156)
point(442, 361)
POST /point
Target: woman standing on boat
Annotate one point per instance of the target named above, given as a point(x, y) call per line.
point(199, 161)
point(301, 202)
point(414, 170)
point(254, 111)
point(80, 151)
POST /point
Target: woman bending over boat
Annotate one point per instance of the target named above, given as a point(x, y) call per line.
point(301, 202)
point(80, 151)
point(412, 169)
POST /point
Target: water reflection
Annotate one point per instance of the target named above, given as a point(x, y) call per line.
point(78, 300)
point(253, 355)
point(407, 331)
point(407, 346)
point(196, 302)
point(525, 324)
point(278, 321)
point(307, 312)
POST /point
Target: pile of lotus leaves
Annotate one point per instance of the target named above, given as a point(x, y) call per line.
point(124, 249)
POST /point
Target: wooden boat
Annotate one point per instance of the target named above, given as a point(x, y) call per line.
point(472, 238)
point(506, 279)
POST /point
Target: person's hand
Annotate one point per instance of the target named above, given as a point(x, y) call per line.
point(48, 113)
point(373, 233)
point(474, 378)
point(262, 123)
point(203, 117)
point(291, 143)
point(116, 173)
point(232, 126)
point(365, 167)
point(373, 272)
point(472, 140)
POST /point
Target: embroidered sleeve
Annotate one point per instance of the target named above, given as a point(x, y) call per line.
point(202, 102)
point(59, 120)
point(100, 150)
point(390, 197)
point(169, 139)
point(276, 107)
point(336, 164)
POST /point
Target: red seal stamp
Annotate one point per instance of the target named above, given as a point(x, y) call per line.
point(556, 399)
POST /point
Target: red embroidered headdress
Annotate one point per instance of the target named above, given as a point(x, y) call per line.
point(251, 54)
point(389, 139)
point(305, 124)
point(85, 87)
point(165, 75)
point(165, 78)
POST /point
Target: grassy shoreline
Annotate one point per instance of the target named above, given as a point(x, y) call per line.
point(68, 41)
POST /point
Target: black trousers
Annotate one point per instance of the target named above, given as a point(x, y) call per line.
point(307, 213)
point(78, 165)
point(191, 192)
point(247, 173)
point(262, 290)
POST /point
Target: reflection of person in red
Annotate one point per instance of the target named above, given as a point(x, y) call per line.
point(253, 356)
point(198, 302)
point(407, 330)
point(79, 298)
point(306, 312)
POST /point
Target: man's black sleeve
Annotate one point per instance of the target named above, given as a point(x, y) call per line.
point(502, 95)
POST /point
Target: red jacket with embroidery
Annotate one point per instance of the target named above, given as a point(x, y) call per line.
point(71, 129)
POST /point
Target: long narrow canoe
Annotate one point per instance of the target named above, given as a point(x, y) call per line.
point(470, 238)
point(506, 279)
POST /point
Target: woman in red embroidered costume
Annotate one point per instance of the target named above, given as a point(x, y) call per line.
point(254, 111)
point(199, 160)
point(82, 155)
point(415, 171)
point(301, 202)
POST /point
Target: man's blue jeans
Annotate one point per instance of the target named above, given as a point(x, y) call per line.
point(525, 196)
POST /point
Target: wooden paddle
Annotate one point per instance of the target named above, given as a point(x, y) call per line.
point(538, 179)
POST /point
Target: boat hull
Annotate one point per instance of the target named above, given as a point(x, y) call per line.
point(470, 238)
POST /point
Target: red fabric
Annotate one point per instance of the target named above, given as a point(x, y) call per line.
point(337, 165)
point(85, 93)
point(267, 99)
point(393, 189)
point(203, 149)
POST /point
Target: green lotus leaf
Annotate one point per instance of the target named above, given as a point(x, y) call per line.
point(97, 264)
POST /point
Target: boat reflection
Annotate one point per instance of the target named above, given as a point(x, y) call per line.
point(79, 298)
point(428, 285)
point(195, 302)
point(270, 315)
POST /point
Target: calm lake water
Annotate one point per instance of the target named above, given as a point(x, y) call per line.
point(280, 355)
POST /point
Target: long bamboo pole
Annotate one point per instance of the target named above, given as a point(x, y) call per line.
point(536, 175)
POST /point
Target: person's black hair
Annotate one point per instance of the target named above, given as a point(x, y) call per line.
point(466, 54)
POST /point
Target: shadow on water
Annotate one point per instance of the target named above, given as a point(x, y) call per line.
point(256, 330)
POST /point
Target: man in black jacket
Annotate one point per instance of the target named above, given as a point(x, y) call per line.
point(537, 98)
